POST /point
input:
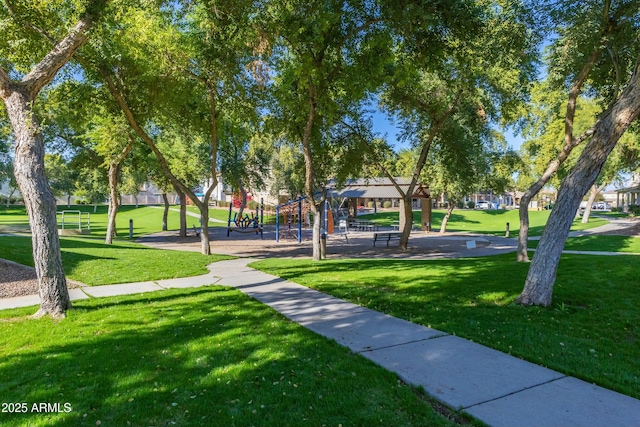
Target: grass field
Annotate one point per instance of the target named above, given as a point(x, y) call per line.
point(483, 221)
point(90, 261)
point(146, 219)
point(602, 243)
point(590, 332)
point(201, 357)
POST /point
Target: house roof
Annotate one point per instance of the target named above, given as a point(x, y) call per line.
point(383, 188)
point(635, 189)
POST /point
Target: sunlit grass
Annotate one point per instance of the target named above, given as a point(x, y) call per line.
point(92, 262)
point(600, 243)
point(203, 357)
point(591, 330)
point(483, 221)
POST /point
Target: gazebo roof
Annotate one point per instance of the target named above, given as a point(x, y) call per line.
point(383, 188)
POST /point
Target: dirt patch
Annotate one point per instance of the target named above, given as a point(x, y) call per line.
point(19, 280)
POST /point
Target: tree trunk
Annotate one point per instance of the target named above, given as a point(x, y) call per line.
point(40, 205)
point(114, 196)
point(204, 234)
point(19, 99)
point(587, 210)
point(595, 190)
point(243, 199)
point(114, 171)
point(165, 213)
point(608, 129)
point(523, 234)
point(310, 173)
point(445, 220)
point(407, 222)
point(183, 212)
point(317, 220)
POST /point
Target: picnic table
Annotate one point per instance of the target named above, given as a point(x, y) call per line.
point(363, 225)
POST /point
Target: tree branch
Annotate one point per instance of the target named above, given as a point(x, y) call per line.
point(28, 24)
point(376, 158)
point(573, 96)
point(5, 83)
point(427, 146)
point(61, 53)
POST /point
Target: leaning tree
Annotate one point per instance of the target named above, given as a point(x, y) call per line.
point(22, 77)
point(615, 77)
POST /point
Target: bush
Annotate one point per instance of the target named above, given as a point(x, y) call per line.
point(471, 204)
point(369, 204)
point(634, 210)
point(616, 209)
point(387, 204)
point(253, 205)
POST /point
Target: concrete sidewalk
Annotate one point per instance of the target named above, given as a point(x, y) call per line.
point(496, 388)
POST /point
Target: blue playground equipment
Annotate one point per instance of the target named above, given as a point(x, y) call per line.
point(247, 224)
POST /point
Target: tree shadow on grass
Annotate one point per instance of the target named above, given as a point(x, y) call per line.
point(473, 298)
point(191, 358)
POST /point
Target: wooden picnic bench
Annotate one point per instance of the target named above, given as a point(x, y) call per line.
point(386, 237)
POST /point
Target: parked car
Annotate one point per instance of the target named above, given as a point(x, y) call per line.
point(483, 205)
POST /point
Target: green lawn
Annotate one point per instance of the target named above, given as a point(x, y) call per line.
point(483, 221)
point(90, 261)
point(603, 243)
point(590, 332)
point(201, 357)
point(146, 219)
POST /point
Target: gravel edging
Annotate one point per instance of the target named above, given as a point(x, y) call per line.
point(18, 280)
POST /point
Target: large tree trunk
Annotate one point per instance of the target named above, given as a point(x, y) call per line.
point(165, 213)
point(611, 124)
point(310, 173)
point(569, 144)
point(40, 205)
point(406, 221)
point(19, 98)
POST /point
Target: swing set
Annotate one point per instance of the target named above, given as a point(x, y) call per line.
point(246, 223)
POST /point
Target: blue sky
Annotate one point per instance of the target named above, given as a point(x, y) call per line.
point(382, 125)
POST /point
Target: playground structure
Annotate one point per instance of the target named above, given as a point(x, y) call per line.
point(295, 211)
point(246, 223)
point(71, 222)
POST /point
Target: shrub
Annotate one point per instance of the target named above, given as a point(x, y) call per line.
point(471, 204)
point(369, 204)
point(634, 210)
point(387, 204)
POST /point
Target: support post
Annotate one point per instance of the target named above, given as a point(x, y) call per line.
point(300, 220)
point(131, 228)
point(277, 223)
point(261, 225)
